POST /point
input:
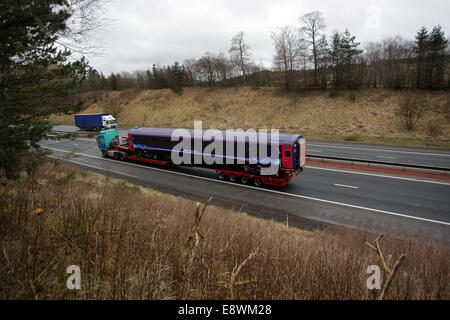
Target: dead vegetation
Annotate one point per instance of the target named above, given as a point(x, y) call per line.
point(368, 114)
point(133, 243)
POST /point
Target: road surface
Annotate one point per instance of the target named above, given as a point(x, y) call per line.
point(405, 155)
point(376, 202)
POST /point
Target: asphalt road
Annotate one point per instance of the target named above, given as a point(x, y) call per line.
point(406, 155)
point(381, 203)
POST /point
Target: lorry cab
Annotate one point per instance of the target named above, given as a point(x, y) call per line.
point(109, 122)
point(104, 138)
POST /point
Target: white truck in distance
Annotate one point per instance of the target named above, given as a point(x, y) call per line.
point(95, 121)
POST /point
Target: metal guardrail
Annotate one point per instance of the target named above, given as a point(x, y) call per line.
point(385, 163)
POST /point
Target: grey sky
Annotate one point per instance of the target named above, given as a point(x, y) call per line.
point(143, 32)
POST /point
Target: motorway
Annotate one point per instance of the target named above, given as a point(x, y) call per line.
point(406, 155)
point(377, 202)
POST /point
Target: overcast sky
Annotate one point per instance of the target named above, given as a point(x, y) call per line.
point(143, 32)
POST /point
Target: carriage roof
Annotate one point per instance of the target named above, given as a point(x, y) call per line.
point(287, 139)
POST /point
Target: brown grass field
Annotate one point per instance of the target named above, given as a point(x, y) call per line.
point(369, 115)
point(134, 243)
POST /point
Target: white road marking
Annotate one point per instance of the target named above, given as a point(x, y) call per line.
point(414, 204)
point(86, 139)
point(314, 151)
point(357, 172)
point(387, 157)
point(345, 186)
point(260, 189)
point(379, 175)
point(375, 149)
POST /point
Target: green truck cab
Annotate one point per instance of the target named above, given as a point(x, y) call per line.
point(104, 139)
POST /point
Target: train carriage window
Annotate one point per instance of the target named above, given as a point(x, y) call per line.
point(156, 142)
point(145, 140)
point(287, 153)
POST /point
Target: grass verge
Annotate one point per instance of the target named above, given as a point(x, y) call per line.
point(133, 243)
point(367, 115)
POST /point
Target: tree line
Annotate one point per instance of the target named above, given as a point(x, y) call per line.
point(305, 57)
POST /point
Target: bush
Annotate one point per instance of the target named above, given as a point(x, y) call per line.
point(412, 107)
point(351, 138)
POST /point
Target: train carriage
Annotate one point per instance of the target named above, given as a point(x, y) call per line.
point(155, 145)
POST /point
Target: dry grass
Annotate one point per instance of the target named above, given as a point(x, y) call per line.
point(366, 113)
point(135, 244)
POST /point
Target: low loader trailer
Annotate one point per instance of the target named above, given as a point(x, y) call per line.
point(123, 148)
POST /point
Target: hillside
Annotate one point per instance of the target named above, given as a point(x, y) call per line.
point(134, 243)
point(369, 115)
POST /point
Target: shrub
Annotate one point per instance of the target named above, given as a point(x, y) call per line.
point(351, 138)
point(412, 107)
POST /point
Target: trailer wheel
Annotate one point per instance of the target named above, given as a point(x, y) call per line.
point(244, 179)
point(232, 178)
point(121, 157)
point(116, 156)
point(257, 182)
point(104, 153)
point(221, 175)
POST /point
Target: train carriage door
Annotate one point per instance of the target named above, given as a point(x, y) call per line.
point(286, 154)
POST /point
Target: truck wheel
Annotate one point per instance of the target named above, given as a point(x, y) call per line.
point(121, 157)
point(244, 179)
point(221, 175)
point(232, 178)
point(104, 153)
point(257, 182)
point(116, 156)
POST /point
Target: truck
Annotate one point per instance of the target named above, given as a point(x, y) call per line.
point(95, 121)
point(154, 146)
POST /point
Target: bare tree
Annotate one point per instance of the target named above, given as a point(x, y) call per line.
point(373, 54)
point(86, 20)
point(287, 52)
point(240, 53)
point(313, 23)
point(412, 107)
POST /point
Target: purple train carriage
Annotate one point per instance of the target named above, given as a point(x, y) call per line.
point(239, 160)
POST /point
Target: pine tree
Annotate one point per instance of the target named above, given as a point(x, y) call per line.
point(421, 49)
point(344, 50)
point(35, 76)
point(148, 79)
point(437, 45)
point(177, 73)
point(159, 79)
point(113, 81)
